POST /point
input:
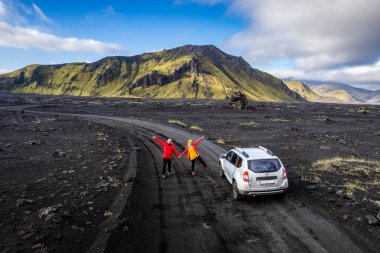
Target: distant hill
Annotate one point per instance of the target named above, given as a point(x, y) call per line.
point(335, 92)
point(341, 95)
point(341, 91)
point(184, 72)
point(376, 98)
point(302, 90)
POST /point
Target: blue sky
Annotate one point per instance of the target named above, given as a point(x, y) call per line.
point(134, 26)
point(288, 38)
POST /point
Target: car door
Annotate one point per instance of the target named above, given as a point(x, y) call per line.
point(239, 163)
point(226, 165)
point(232, 165)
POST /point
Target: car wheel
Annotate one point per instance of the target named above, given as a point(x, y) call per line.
point(235, 191)
point(221, 173)
point(282, 195)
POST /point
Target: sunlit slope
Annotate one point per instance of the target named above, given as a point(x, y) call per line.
point(302, 90)
point(334, 92)
point(183, 72)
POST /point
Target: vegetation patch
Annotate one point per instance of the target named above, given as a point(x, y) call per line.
point(177, 122)
point(220, 141)
point(280, 120)
point(349, 166)
point(250, 124)
point(356, 176)
point(196, 128)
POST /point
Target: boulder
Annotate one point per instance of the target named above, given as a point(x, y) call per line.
point(59, 153)
point(47, 213)
point(21, 202)
point(372, 220)
point(238, 100)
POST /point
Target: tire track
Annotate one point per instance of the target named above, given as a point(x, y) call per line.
point(274, 225)
point(185, 191)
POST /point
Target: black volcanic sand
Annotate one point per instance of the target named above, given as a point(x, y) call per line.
point(58, 178)
point(300, 134)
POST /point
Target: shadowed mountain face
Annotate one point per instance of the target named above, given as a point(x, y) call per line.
point(183, 72)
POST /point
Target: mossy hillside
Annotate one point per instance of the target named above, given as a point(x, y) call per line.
point(333, 92)
point(184, 72)
point(303, 90)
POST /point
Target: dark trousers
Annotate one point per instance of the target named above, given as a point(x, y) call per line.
point(199, 158)
point(166, 162)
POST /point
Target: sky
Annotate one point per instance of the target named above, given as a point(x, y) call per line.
point(292, 39)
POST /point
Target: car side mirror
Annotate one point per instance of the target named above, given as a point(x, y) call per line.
point(223, 156)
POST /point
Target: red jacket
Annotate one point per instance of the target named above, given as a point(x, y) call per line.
point(168, 149)
point(195, 149)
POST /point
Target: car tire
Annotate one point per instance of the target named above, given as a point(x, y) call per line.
point(282, 195)
point(235, 191)
point(221, 172)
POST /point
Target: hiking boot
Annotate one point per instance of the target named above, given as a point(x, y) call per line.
point(163, 176)
point(206, 168)
point(193, 173)
point(169, 174)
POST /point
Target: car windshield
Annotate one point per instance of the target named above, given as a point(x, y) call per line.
point(267, 165)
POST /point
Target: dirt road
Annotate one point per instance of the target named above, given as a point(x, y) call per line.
point(197, 214)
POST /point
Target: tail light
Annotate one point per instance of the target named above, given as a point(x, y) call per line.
point(245, 176)
point(284, 173)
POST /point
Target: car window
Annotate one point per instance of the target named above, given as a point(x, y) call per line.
point(234, 158)
point(265, 165)
point(229, 156)
point(239, 162)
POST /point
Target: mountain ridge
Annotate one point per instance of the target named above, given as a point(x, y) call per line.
point(337, 92)
point(189, 71)
point(303, 90)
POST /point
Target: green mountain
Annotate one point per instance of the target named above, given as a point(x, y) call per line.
point(303, 90)
point(343, 92)
point(183, 72)
point(334, 92)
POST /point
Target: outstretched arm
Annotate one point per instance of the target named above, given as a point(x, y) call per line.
point(162, 143)
point(175, 151)
point(198, 141)
point(183, 153)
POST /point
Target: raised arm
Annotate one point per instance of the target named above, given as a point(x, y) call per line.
point(162, 143)
point(198, 141)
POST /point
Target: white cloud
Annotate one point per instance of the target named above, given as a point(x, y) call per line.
point(319, 34)
point(201, 2)
point(40, 13)
point(21, 37)
point(209, 2)
point(2, 71)
point(367, 76)
point(2, 10)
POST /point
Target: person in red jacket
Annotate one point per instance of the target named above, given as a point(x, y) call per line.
point(193, 155)
point(167, 155)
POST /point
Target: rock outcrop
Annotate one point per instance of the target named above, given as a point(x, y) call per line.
point(238, 100)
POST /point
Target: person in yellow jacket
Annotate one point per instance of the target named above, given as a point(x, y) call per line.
point(193, 155)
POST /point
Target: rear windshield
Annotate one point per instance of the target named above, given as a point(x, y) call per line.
point(267, 165)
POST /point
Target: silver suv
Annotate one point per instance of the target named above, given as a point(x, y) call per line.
point(253, 171)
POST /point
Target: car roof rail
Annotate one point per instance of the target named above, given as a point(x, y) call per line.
point(266, 150)
point(238, 149)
